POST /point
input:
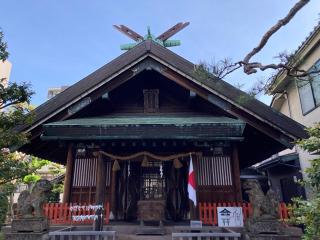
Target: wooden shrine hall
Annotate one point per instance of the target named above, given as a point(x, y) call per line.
point(128, 131)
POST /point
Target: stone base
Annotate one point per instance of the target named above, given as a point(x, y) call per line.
point(271, 237)
point(287, 233)
point(36, 225)
point(263, 226)
point(146, 230)
point(26, 236)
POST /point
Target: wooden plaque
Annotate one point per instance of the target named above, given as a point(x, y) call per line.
point(151, 210)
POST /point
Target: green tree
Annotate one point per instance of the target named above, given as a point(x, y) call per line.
point(54, 169)
point(12, 112)
point(3, 48)
point(13, 100)
point(307, 212)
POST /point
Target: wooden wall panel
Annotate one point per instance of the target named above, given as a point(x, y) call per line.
point(84, 180)
point(215, 179)
point(85, 170)
point(215, 171)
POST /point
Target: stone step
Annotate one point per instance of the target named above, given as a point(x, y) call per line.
point(148, 230)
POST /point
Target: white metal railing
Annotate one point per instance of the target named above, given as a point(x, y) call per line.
point(79, 235)
point(206, 236)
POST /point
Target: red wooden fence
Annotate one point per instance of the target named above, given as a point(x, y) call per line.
point(208, 211)
point(59, 213)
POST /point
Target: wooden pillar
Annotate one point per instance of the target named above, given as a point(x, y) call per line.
point(236, 173)
point(68, 175)
point(100, 190)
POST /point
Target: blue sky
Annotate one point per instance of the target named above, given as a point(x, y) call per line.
point(54, 43)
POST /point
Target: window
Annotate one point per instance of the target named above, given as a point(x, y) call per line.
point(309, 90)
point(151, 100)
point(152, 182)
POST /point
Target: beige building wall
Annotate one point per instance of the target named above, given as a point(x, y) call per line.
point(291, 107)
point(5, 70)
point(289, 103)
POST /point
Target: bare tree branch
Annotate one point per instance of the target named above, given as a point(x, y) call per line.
point(288, 63)
point(225, 67)
point(250, 68)
point(229, 69)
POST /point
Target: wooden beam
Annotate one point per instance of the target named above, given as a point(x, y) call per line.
point(226, 106)
point(113, 191)
point(100, 190)
point(109, 86)
point(68, 175)
point(236, 173)
point(172, 31)
point(129, 32)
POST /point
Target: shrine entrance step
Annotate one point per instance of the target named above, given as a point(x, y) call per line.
point(150, 230)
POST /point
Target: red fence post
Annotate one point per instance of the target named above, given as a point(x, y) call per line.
point(205, 208)
point(215, 214)
point(284, 211)
point(210, 213)
point(107, 212)
point(200, 211)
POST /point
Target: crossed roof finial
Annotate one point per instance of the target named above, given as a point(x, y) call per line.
point(161, 39)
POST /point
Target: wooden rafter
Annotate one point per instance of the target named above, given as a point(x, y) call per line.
point(170, 32)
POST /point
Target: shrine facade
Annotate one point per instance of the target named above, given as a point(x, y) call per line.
point(128, 131)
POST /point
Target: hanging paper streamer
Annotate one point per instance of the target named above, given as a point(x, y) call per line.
point(84, 217)
point(78, 218)
point(161, 170)
point(86, 208)
point(129, 170)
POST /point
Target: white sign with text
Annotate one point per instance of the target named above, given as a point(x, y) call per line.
point(230, 217)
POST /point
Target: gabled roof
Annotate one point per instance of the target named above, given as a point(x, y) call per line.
point(217, 91)
point(277, 160)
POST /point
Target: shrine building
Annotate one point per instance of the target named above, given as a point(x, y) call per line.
point(128, 131)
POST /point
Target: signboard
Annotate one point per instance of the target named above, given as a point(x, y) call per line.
point(195, 224)
point(230, 217)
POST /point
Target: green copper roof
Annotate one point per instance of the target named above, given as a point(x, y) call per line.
point(145, 127)
point(147, 120)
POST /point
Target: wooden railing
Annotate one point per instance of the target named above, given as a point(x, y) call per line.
point(59, 213)
point(208, 211)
